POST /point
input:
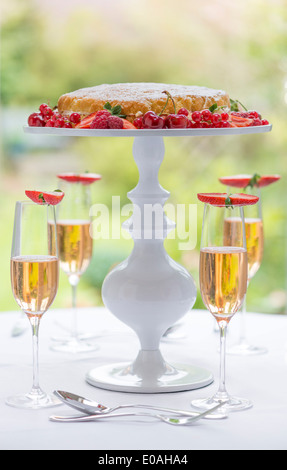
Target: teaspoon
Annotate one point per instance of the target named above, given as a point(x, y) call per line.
point(176, 420)
point(92, 408)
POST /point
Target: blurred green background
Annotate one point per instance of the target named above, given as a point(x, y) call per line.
point(49, 48)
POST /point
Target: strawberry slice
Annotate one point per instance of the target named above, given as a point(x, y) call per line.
point(236, 181)
point(240, 121)
point(267, 179)
point(242, 181)
point(223, 199)
point(40, 197)
point(84, 178)
point(128, 124)
point(85, 123)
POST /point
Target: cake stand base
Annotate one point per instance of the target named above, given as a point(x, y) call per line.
point(149, 374)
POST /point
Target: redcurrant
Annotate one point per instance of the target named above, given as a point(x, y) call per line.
point(215, 118)
point(45, 110)
point(196, 116)
point(75, 118)
point(36, 120)
point(60, 122)
point(224, 116)
point(206, 115)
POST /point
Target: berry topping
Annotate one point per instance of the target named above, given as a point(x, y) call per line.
point(36, 120)
point(183, 111)
point(115, 122)
point(243, 181)
point(176, 121)
point(60, 122)
point(138, 122)
point(227, 200)
point(45, 110)
point(152, 121)
point(85, 123)
point(75, 118)
point(84, 178)
point(39, 197)
point(206, 115)
point(100, 122)
point(196, 116)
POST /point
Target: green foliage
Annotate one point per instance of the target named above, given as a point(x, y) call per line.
point(237, 46)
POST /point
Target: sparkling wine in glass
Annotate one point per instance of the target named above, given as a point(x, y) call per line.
point(75, 246)
point(34, 281)
point(255, 246)
point(223, 275)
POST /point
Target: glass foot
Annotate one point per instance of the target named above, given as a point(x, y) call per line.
point(244, 349)
point(74, 345)
point(230, 404)
point(33, 401)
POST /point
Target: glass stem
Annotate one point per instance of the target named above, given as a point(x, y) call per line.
point(74, 280)
point(35, 323)
point(242, 339)
point(222, 394)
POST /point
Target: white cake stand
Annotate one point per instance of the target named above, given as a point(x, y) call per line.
point(149, 291)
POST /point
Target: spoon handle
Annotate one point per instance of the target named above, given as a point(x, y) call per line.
point(83, 418)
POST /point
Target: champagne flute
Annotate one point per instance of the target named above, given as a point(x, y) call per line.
point(75, 245)
point(223, 285)
point(34, 280)
point(255, 245)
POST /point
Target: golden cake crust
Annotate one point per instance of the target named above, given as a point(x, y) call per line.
point(139, 98)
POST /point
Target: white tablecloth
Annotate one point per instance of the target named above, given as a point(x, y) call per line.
point(262, 379)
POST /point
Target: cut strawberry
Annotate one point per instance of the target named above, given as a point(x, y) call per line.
point(242, 181)
point(223, 199)
point(267, 179)
point(240, 121)
point(128, 124)
point(85, 123)
point(40, 197)
point(84, 178)
point(237, 181)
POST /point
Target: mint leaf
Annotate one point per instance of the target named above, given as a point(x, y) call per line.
point(116, 110)
point(108, 106)
point(213, 107)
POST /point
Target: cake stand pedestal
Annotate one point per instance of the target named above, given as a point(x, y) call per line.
point(149, 291)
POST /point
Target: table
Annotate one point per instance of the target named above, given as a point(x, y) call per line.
point(263, 379)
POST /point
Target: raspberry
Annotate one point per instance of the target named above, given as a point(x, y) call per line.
point(100, 122)
point(103, 112)
point(115, 122)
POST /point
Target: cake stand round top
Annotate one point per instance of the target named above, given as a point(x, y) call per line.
point(67, 132)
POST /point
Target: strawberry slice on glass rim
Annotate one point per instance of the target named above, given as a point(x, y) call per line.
point(227, 200)
point(41, 197)
point(242, 181)
point(84, 178)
